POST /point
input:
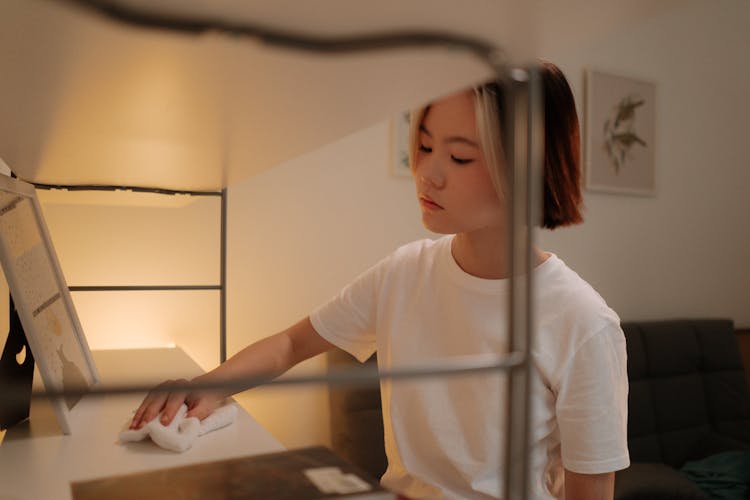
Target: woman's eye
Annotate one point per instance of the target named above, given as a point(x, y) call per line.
point(425, 149)
point(461, 161)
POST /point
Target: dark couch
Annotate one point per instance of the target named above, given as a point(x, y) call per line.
point(357, 419)
point(688, 399)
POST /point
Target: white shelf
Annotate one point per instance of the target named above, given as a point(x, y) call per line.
point(36, 461)
point(87, 101)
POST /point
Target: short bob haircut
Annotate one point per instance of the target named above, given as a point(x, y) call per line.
point(562, 150)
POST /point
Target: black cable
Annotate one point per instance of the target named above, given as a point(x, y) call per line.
point(142, 18)
point(136, 189)
point(492, 55)
point(174, 23)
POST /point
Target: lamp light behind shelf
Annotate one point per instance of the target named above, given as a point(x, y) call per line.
point(523, 148)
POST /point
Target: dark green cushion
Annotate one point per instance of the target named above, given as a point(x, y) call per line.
point(723, 476)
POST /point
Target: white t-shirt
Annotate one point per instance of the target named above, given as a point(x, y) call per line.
point(443, 436)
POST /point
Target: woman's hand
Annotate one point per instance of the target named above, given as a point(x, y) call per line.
point(266, 358)
point(165, 401)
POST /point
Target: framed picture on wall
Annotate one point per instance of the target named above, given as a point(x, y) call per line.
point(399, 154)
point(620, 134)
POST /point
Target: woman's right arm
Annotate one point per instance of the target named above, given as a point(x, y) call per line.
point(268, 358)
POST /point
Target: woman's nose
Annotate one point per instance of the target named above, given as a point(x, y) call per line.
point(430, 174)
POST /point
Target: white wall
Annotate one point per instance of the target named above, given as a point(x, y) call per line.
point(127, 239)
point(297, 234)
point(682, 253)
point(301, 231)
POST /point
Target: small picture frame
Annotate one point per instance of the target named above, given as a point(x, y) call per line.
point(42, 298)
point(399, 154)
point(620, 134)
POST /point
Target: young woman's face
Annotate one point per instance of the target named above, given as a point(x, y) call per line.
point(453, 185)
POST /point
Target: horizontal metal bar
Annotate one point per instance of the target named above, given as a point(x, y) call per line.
point(141, 288)
point(356, 376)
point(135, 189)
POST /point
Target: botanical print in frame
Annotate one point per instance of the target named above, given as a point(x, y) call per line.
point(399, 157)
point(620, 134)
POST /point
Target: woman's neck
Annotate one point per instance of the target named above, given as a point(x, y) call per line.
point(484, 253)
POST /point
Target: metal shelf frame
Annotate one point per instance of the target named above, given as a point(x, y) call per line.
point(524, 141)
point(221, 287)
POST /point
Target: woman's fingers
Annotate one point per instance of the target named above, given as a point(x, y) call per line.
point(149, 409)
point(163, 400)
point(151, 405)
point(140, 413)
point(173, 403)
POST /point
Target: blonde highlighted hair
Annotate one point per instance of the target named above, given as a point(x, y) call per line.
point(488, 125)
point(562, 167)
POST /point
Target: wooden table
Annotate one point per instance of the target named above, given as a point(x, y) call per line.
point(38, 462)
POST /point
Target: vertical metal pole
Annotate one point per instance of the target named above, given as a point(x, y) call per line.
point(524, 153)
point(223, 281)
point(516, 130)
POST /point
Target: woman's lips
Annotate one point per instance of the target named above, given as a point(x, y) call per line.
point(428, 203)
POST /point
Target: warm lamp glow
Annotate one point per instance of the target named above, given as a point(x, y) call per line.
point(156, 113)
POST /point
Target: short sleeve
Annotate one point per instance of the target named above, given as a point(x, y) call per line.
point(592, 405)
point(348, 319)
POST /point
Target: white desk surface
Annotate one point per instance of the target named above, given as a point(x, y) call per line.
point(38, 462)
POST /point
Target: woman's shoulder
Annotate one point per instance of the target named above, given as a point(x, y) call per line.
point(412, 260)
point(424, 249)
point(425, 244)
point(570, 314)
point(567, 300)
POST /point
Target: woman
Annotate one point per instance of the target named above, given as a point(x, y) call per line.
point(433, 300)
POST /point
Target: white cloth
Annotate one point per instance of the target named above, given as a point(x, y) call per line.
point(182, 432)
point(443, 436)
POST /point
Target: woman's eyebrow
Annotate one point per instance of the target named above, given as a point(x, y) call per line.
point(456, 138)
point(462, 140)
point(422, 128)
